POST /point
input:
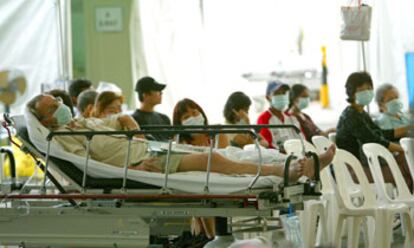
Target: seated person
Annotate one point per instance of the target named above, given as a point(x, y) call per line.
point(108, 106)
point(62, 94)
point(390, 106)
point(277, 93)
point(189, 113)
point(356, 128)
point(112, 150)
point(236, 112)
point(76, 87)
point(86, 102)
point(150, 95)
point(298, 100)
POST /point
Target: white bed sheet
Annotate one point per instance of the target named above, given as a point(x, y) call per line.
point(192, 182)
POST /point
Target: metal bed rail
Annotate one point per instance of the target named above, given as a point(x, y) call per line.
point(129, 135)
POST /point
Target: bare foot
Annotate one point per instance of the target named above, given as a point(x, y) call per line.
point(324, 160)
point(295, 171)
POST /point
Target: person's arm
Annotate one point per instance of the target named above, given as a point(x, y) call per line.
point(393, 147)
point(402, 131)
point(128, 123)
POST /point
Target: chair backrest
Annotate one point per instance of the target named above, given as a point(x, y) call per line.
point(341, 160)
point(374, 151)
point(294, 146)
point(332, 137)
point(322, 144)
point(408, 146)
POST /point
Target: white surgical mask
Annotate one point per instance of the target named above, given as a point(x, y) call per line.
point(62, 114)
point(194, 121)
point(241, 122)
point(280, 102)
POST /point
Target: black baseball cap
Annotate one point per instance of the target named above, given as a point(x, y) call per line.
point(147, 84)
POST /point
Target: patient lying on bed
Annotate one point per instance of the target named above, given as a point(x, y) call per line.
point(112, 150)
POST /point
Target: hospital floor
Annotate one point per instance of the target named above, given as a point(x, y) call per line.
point(280, 242)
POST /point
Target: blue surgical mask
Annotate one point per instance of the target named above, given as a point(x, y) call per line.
point(394, 106)
point(303, 102)
point(194, 121)
point(62, 114)
point(364, 97)
point(280, 102)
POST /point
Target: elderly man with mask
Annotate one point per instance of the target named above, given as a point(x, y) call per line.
point(112, 150)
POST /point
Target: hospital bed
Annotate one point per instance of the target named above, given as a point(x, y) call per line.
point(74, 206)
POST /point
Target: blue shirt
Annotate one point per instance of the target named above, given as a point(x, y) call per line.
point(386, 121)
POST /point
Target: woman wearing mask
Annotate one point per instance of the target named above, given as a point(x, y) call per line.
point(356, 128)
point(277, 93)
point(189, 113)
point(390, 107)
point(108, 108)
point(298, 100)
point(236, 112)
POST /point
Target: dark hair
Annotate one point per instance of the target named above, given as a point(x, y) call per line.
point(236, 101)
point(180, 109)
point(295, 92)
point(67, 100)
point(86, 98)
point(77, 86)
point(104, 99)
point(354, 81)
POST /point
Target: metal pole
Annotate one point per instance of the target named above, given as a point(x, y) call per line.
point(167, 166)
point(126, 165)
point(46, 167)
point(210, 153)
point(259, 168)
point(85, 168)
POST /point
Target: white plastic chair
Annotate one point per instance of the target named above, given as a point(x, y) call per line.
point(383, 213)
point(408, 146)
point(312, 208)
point(373, 152)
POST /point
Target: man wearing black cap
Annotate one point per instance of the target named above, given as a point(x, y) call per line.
point(277, 93)
point(150, 94)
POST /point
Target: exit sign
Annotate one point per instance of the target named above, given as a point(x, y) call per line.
point(109, 19)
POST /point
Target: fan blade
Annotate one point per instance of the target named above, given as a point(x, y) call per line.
point(21, 84)
point(4, 79)
point(8, 98)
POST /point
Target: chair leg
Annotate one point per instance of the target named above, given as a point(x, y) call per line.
point(310, 216)
point(338, 231)
point(408, 229)
point(382, 231)
point(354, 231)
point(324, 228)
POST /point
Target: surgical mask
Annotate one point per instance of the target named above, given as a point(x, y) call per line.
point(62, 114)
point(364, 97)
point(394, 106)
point(280, 102)
point(241, 122)
point(303, 102)
point(194, 121)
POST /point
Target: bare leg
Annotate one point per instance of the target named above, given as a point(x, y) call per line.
point(220, 164)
